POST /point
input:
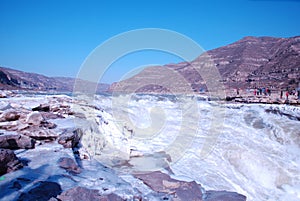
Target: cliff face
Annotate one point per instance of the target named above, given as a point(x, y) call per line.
point(14, 79)
point(248, 63)
point(263, 61)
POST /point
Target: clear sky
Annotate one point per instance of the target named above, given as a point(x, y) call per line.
point(53, 37)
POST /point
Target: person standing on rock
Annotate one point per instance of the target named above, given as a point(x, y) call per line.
point(264, 91)
point(287, 95)
point(268, 91)
point(281, 94)
point(298, 91)
point(260, 91)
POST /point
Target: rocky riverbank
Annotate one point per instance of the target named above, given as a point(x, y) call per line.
point(252, 96)
point(43, 156)
point(263, 99)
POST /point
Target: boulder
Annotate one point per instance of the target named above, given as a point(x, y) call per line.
point(9, 115)
point(69, 165)
point(8, 161)
point(81, 193)
point(16, 141)
point(34, 118)
point(163, 183)
point(69, 139)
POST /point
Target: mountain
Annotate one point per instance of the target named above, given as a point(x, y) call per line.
point(15, 79)
point(248, 63)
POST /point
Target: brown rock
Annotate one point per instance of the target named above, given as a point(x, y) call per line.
point(40, 133)
point(69, 164)
point(69, 139)
point(8, 161)
point(16, 141)
point(9, 115)
point(181, 190)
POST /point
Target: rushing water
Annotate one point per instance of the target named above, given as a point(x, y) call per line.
point(250, 149)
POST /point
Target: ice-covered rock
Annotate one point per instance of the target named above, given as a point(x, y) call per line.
point(70, 138)
point(34, 118)
point(3, 94)
point(82, 193)
point(224, 196)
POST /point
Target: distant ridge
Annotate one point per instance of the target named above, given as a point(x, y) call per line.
point(15, 79)
point(248, 63)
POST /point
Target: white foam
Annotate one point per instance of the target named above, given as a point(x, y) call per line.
point(255, 153)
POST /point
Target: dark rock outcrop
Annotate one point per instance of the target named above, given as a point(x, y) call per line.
point(16, 141)
point(42, 108)
point(8, 161)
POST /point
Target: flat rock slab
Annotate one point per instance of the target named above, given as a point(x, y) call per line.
point(224, 196)
point(181, 190)
point(80, 193)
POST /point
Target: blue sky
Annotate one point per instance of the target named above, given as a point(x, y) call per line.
point(53, 37)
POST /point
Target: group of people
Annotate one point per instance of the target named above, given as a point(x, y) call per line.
point(290, 93)
point(262, 91)
point(267, 92)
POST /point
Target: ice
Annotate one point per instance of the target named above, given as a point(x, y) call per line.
point(234, 147)
point(252, 152)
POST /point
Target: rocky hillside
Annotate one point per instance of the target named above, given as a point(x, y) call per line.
point(248, 63)
point(14, 79)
